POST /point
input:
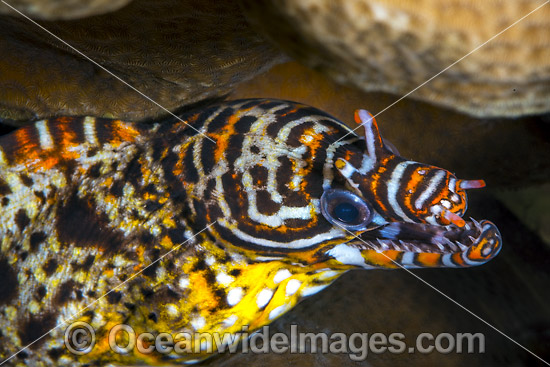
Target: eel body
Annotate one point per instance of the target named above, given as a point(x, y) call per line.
point(219, 222)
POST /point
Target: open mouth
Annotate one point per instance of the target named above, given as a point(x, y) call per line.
point(427, 238)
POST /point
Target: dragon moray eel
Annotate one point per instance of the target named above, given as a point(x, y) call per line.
point(221, 221)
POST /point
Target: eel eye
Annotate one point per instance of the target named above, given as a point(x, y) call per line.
point(345, 209)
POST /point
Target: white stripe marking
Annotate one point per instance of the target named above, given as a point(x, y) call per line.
point(198, 323)
point(230, 321)
point(278, 311)
point(348, 255)
point(234, 296)
point(292, 286)
point(327, 274)
point(436, 180)
point(312, 290)
point(2, 158)
point(264, 297)
point(328, 169)
point(348, 169)
point(283, 213)
point(366, 121)
point(393, 188)
point(408, 260)
point(367, 165)
point(224, 279)
point(89, 130)
point(452, 184)
point(296, 244)
point(446, 260)
point(46, 141)
point(281, 275)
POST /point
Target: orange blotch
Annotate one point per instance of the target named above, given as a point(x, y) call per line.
point(182, 153)
point(166, 242)
point(259, 228)
point(412, 186)
point(67, 139)
point(140, 250)
point(64, 119)
point(339, 164)
point(149, 196)
point(375, 182)
point(48, 162)
point(384, 259)
point(475, 251)
point(108, 182)
point(31, 154)
point(28, 148)
point(123, 132)
point(357, 118)
point(457, 258)
point(111, 199)
point(222, 138)
point(310, 257)
point(313, 143)
point(201, 292)
point(290, 111)
point(429, 259)
point(303, 189)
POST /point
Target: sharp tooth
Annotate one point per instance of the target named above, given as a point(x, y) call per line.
point(467, 226)
point(472, 239)
point(403, 245)
point(478, 226)
point(462, 247)
point(449, 244)
point(383, 245)
point(441, 247)
point(406, 246)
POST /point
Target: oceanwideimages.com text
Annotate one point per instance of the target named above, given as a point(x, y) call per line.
point(80, 339)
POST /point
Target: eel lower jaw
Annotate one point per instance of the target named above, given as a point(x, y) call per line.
point(472, 244)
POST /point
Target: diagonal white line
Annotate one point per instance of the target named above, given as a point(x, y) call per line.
point(452, 300)
point(453, 64)
point(104, 68)
point(66, 321)
point(175, 248)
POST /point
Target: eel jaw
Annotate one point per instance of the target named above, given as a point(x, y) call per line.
point(414, 245)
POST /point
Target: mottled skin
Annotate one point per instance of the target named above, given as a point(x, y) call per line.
point(168, 230)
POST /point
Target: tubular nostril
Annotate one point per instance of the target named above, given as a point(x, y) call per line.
point(471, 184)
point(448, 215)
point(453, 218)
